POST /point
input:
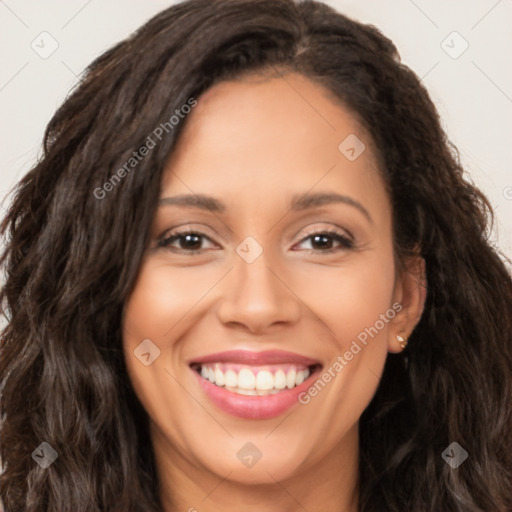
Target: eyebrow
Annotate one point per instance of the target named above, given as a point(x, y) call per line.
point(299, 202)
point(194, 200)
point(303, 202)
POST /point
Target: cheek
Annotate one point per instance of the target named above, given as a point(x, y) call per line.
point(354, 303)
point(351, 298)
point(161, 308)
point(162, 297)
point(157, 310)
point(153, 311)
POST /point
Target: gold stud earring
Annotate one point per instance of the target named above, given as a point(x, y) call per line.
point(402, 341)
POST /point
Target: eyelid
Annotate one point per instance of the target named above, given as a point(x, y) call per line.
point(188, 227)
point(332, 229)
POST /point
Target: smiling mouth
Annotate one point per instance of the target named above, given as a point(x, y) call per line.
point(251, 380)
point(254, 385)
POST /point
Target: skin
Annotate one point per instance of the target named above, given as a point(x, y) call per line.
point(254, 143)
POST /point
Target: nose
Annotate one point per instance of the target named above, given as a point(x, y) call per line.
point(256, 297)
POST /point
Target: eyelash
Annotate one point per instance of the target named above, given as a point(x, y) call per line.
point(345, 242)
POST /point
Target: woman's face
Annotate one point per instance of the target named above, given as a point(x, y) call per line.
point(288, 272)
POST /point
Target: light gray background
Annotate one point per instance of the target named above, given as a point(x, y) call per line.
point(473, 92)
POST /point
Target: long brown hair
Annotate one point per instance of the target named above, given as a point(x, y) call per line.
point(71, 259)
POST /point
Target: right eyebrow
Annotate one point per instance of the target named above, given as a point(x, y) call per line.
point(195, 201)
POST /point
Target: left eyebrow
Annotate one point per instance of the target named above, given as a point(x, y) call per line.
point(303, 202)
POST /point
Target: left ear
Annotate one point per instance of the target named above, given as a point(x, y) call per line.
point(410, 292)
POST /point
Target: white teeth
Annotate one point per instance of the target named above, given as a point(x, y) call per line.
point(231, 379)
point(246, 379)
point(264, 380)
point(280, 379)
point(219, 377)
point(290, 379)
point(250, 381)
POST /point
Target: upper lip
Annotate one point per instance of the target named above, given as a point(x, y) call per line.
point(256, 358)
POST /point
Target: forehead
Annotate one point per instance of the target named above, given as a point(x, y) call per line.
point(262, 135)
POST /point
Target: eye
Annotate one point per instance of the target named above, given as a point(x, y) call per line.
point(187, 241)
point(323, 241)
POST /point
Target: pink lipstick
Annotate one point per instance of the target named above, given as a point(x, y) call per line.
point(254, 385)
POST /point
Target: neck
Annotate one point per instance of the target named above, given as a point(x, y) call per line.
point(330, 484)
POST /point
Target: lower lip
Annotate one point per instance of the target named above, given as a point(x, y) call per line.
point(254, 407)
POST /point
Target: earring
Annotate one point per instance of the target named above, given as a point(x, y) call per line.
point(402, 341)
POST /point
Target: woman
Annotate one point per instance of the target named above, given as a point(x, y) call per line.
point(248, 274)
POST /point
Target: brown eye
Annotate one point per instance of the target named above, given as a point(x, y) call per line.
point(323, 241)
point(184, 241)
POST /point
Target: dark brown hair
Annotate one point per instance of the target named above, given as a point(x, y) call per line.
point(71, 260)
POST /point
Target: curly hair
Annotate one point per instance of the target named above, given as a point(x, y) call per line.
point(71, 260)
